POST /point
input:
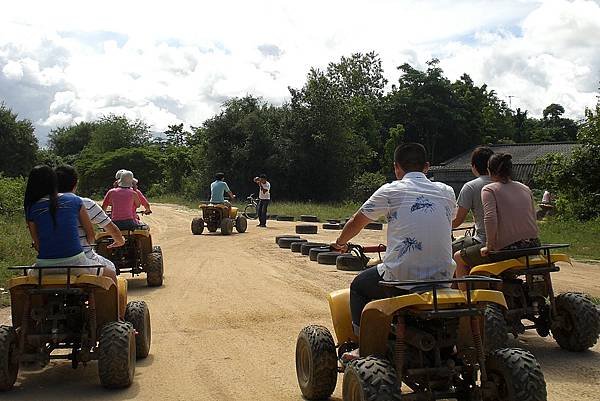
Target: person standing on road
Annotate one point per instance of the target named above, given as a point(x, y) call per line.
point(419, 214)
point(264, 197)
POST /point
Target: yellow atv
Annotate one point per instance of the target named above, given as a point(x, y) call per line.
point(571, 317)
point(429, 340)
point(219, 216)
point(80, 318)
point(137, 256)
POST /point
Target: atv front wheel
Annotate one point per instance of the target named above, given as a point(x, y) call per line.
point(197, 225)
point(316, 362)
point(495, 328)
point(227, 226)
point(370, 378)
point(116, 355)
point(138, 315)
point(241, 224)
point(154, 269)
point(9, 362)
point(578, 322)
point(516, 374)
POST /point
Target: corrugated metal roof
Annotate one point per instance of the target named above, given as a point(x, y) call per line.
point(522, 153)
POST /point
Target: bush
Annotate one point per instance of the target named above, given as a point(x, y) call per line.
point(12, 191)
point(365, 184)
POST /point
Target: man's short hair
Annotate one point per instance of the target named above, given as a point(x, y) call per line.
point(411, 157)
point(263, 176)
point(479, 159)
point(67, 178)
point(220, 176)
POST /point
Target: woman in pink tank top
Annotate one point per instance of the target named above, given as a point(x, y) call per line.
point(123, 201)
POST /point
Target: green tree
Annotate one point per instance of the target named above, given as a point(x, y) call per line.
point(70, 141)
point(115, 132)
point(17, 143)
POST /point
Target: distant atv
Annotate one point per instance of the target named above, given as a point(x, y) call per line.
point(219, 216)
point(430, 340)
point(80, 318)
point(137, 256)
point(571, 317)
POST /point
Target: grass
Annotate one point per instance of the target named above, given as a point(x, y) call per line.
point(584, 237)
point(15, 249)
point(324, 211)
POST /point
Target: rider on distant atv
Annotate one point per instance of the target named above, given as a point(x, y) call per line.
point(218, 189)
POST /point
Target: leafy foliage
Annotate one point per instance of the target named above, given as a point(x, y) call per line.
point(12, 191)
point(17, 143)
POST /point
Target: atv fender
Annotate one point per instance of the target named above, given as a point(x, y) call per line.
point(233, 212)
point(122, 291)
point(339, 305)
point(497, 268)
point(376, 318)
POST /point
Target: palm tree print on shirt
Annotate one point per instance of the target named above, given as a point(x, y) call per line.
point(422, 203)
point(408, 245)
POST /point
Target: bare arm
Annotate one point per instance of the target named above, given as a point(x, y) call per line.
point(34, 236)
point(115, 233)
point(143, 200)
point(86, 223)
point(461, 214)
point(106, 201)
point(351, 230)
point(490, 218)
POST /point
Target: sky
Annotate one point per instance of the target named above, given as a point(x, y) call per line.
point(63, 62)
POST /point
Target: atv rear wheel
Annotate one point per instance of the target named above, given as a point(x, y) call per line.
point(372, 379)
point(154, 268)
point(516, 374)
point(495, 328)
point(197, 225)
point(116, 355)
point(241, 224)
point(578, 322)
point(9, 362)
point(316, 362)
point(227, 226)
point(138, 315)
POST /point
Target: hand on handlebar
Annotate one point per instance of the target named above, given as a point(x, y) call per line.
point(335, 246)
point(116, 244)
point(484, 251)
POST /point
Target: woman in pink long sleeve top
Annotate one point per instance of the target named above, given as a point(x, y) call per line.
point(509, 212)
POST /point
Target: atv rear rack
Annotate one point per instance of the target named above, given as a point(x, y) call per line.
point(543, 250)
point(42, 268)
point(435, 285)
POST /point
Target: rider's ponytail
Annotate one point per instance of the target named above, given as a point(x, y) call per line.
point(500, 165)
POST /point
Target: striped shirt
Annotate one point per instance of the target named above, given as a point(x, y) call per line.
point(97, 216)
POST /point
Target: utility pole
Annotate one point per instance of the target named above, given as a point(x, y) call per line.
point(510, 101)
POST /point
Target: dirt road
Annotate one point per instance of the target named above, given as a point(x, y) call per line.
point(224, 324)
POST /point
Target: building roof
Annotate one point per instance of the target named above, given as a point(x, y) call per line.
point(522, 153)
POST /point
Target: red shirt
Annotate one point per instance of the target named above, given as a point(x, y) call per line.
point(124, 202)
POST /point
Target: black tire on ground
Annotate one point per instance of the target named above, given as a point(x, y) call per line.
point(227, 226)
point(285, 218)
point(241, 224)
point(374, 226)
point(349, 263)
point(138, 315)
point(116, 355)
point(306, 229)
point(154, 269)
point(329, 258)
point(370, 378)
point(286, 242)
point(296, 246)
point(334, 221)
point(332, 226)
point(316, 362)
point(278, 237)
point(309, 218)
point(307, 246)
point(578, 322)
point(517, 375)
point(314, 252)
point(197, 225)
point(495, 328)
point(9, 366)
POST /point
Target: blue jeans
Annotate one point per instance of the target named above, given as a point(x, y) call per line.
point(261, 210)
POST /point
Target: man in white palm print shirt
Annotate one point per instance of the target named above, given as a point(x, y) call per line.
point(419, 214)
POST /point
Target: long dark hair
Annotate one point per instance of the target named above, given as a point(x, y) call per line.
point(500, 165)
point(41, 183)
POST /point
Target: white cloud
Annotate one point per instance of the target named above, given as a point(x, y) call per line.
point(178, 61)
